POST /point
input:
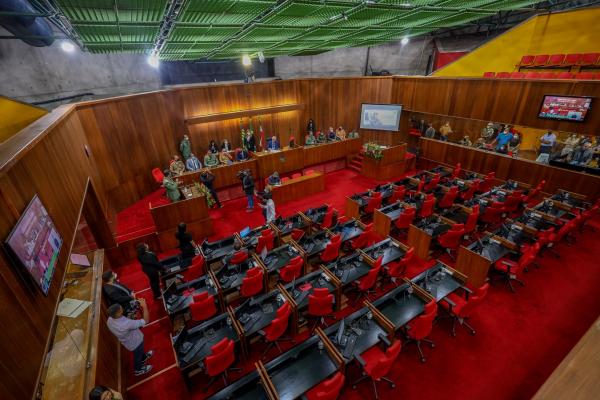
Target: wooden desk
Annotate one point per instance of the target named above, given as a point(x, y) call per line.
point(420, 240)
point(352, 209)
point(473, 265)
point(297, 188)
point(284, 161)
point(382, 223)
point(321, 153)
point(225, 175)
point(392, 165)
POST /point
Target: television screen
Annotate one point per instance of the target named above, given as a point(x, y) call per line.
point(567, 108)
point(384, 117)
point(35, 242)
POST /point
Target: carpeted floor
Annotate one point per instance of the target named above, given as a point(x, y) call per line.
point(520, 337)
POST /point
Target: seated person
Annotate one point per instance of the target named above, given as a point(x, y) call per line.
point(225, 158)
point(242, 154)
point(582, 154)
point(274, 179)
point(479, 143)
point(514, 143)
point(340, 133)
point(292, 143)
point(273, 144)
point(353, 134)
point(225, 146)
point(192, 163)
point(570, 144)
point(210, 159)
point(466, 141)
point(331, 134)
point(321, 138)
point(445, 132)
point(430, 132)
point(310, 139)
point(117, 293)
point(176, 166)
point(237, 247)
point(487, 133)
point(212, 147)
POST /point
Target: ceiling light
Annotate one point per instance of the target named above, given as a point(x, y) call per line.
point(404, 41)
point(246, 60)
point(406, 5)
point(153, 60)
point(67, 46)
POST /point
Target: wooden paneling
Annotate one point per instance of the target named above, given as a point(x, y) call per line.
point(225, 175)
point(330, 151)
point(202, 119)
point(284, 161)
point(392, 165)
point(506, 167)
point(168, 216)
point(298, 188)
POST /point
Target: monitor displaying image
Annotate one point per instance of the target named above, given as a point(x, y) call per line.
point(385, 117)
point(35, 243)
point(565, 108)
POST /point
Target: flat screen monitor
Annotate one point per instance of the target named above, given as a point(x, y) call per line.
point(383, 117)
point(565, 108)
point(35, 243)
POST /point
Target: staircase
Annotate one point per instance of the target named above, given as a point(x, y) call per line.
point(355, 163)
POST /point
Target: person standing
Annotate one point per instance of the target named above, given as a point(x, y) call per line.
point(208, 180)
point(186, 242)
point(151, 266)
point(547, 142)
point(192, 163)
point(185, 147)
point(128, 332)
point(250, 141)
point(213, 148)
point(117, 293)
point(311, 126)
point(269, 207)
point(248, 186)
point(171, 186)
point(502, 141)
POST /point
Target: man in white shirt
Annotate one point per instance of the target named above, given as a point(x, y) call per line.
point(128, 332)
point(547, 142)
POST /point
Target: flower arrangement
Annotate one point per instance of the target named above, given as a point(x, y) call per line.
point(374, 150)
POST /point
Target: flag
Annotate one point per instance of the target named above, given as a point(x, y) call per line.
point(243, 134)
point(262, 134)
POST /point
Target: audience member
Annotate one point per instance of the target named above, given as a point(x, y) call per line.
point(353, 134)
point(171, 186)
point(292, 142)
point(514, 143)
point(177, 167)
point(321, 138)
point(331, 134)
point(117, 293)
point(192, 163)
point(186, 241)
point(248, 186)
point(185, 147)
point(225, 158)
point(310, 139)
point(311, 126)
point(430, 132)
point(547, 142)
point(104, 393)
point(128, 332)
point(273, 144)
point(340, 133)
point(151, 266)
point(570, 144)
point(242, 154)
point(582, 154)
point(207, 179)
point(225, 146)
point(445, 132)
point(210, 159)
point(212, 147)
point(487, 133)
point(274, 179)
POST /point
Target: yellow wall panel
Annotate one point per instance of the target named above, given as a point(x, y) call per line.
point(15, 116)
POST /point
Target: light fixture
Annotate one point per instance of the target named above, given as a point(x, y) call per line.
point(246, 60)
point(67, 46)
point(153, 60)
point(404, 41)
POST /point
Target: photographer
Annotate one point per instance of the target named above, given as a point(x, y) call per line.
point(248, 186)
point(117, 293)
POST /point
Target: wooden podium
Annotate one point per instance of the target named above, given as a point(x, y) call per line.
point(392, 164)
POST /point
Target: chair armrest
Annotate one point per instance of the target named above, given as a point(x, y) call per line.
point(384, 339)
point(360, 360)
point(450, 302)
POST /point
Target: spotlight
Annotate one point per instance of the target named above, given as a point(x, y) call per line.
point(67, 47)
point(153, 60)
point(261, 57)
point(404, 41)
point(246, 60)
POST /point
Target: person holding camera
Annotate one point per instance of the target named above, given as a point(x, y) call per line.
point(248, 186)
point(117, 293)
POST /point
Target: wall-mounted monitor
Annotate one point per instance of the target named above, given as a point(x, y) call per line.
point(35, 243)
point(384, 117)
point(565, 108)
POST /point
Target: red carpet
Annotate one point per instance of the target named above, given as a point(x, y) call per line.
point(520, 337)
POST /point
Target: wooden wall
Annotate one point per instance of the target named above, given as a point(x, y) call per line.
point(127, 136)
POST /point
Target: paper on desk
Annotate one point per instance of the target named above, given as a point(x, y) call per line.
point(80, 259)
point(72, 308)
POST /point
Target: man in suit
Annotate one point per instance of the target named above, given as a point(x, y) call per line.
point(117, 293)
point(151, 266)
point(273, 144)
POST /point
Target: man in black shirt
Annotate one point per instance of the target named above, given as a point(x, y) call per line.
point(248, 186)
point(151, 266)
point(207, 179)
point(117, 293)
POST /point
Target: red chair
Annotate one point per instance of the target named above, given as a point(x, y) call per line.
point(195, 270)
point(397, 269)
point(274, 332)
point(471, 222)
point(471, 190)
point(564, 75)
point(587, 215)
point(365, 239)
point(433, 182)
point(296, 175)
point(427, 206)
point(374, 203)
point(489, 74)
point(320, 306)
point(517, 75)
point(513, 201)
point(564, 231)
point(511, 270)
point(487, 183)
point(572, 59)
point(493, 214)
point(285, 179)
point(309, 172)
point(341, 219)
point(589, 59)
point(220, 361)
point(266, 240)
point(238, 257)
point(406, 218)
point(532, 75)
point(526, 61)
point(291, 271)
point(397, 195)
point(450, 240)
point(533, 193)
point(419, 328)
point(464, 306)
point(297, 234)
point(378, 364)
point(327, 390)
point(448, 199)
point(456, 171)
point(158, 175)
point(547, 75)
point(585, 75)
point(556, 60)
point(252, 283)
point(327, 218)
point(332, 250)
point(503, 75)
point(204, 307)
point(366, 284)
point(541, 60)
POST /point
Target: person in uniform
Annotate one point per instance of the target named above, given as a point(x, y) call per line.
point(310, 139)
point(353, 134)
point(210, 159)
point(321, 138)
point(185, 147)
point(171, 186)
point(177, 167)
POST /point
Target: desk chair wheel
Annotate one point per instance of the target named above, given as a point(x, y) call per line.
point(423, 359)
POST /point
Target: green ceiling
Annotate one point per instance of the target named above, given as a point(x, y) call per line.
point(222, 29)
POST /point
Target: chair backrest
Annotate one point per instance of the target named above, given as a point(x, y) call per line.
point(285, 179)
point(420, 327)
point(435, 179)
point(222, 357)
point(406, 218)
point(470, 192)
point(252, 282)
point(370, 279)
point(366, 238)
point(475, 299)
point(195, 270)
point(517, 75)
point(547, 75)
point(292, 270)
point(203, 307)
point(471, 222)
point(513, 201)
point(532, 75)
point(327, 218)
point(456, 171)
point(487, 183)
point(332, 250)
point(527, 60)
point(589, 58)
point(284, 310)
point(277, 327)
point(320, 302)
point(158, 175)
point(265, 241)
point(384, 364)
point(493, 213)
point(297, 234)
point(489, 74)
point(503, 75)
point(449, 197)
point(451, 238)
point(238, 257)
point(573, 59)
point(374, 202)
point(296, 175)
point(541, 59)
point(564, 75)
point(329, 389)
point(398, 194)
point(532, 193)
point(427, 207)
point(397, 269)
point(585, 75)
point(556, 59)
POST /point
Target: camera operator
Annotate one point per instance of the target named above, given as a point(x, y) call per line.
point(248, 186)
point(117, 293)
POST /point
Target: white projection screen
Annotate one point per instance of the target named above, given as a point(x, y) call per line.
point(384, 117)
